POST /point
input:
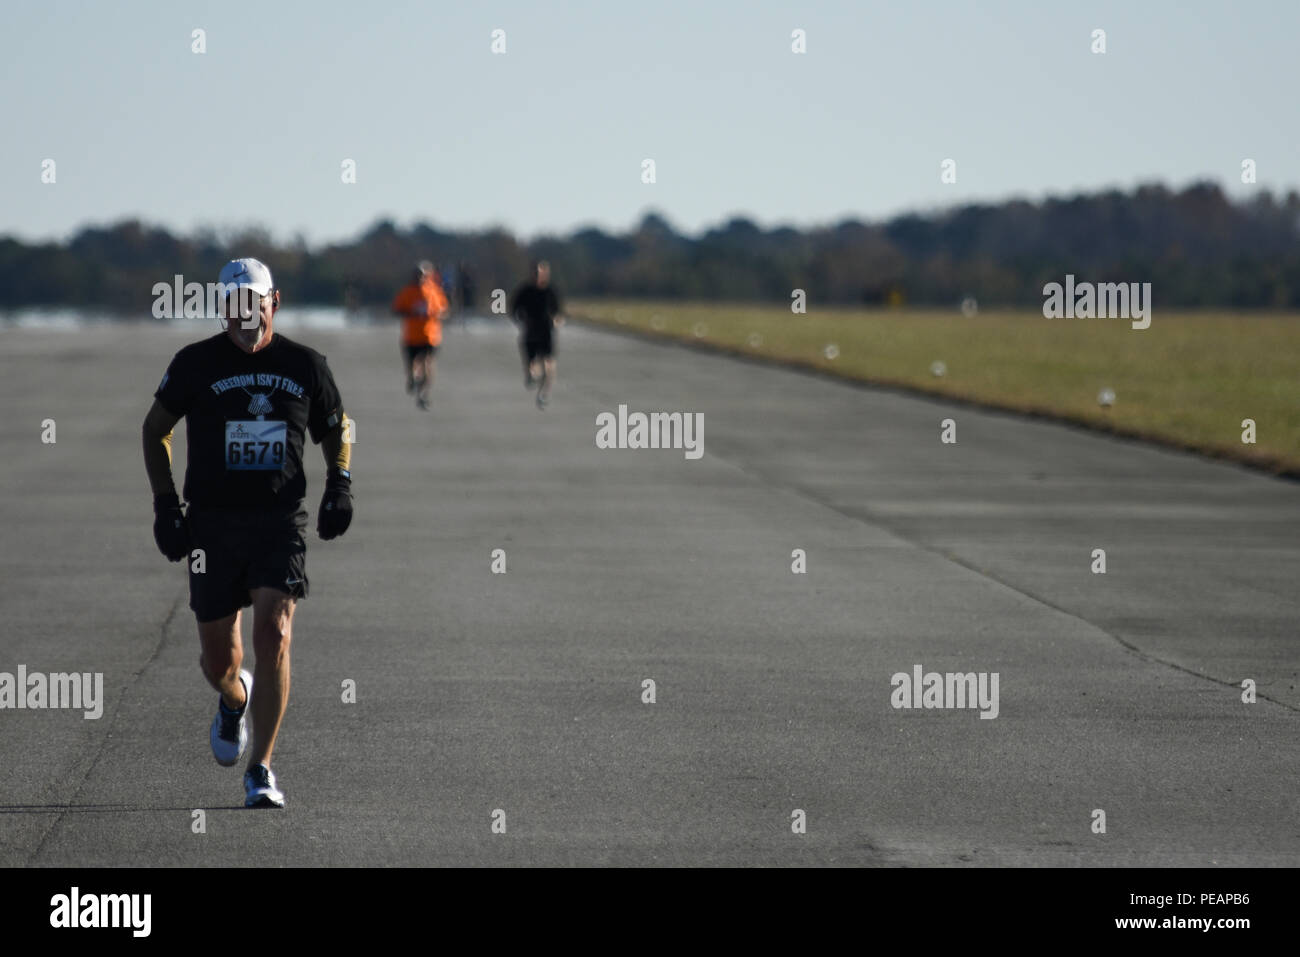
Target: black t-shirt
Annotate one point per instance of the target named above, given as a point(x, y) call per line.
point(245, 418)
point(537, 307)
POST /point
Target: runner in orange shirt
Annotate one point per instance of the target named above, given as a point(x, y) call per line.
point(422, 305)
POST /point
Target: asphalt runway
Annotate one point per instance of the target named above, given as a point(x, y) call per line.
point(522, 692)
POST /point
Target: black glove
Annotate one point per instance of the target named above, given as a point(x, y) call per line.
point(335, 506)
point(170, 530)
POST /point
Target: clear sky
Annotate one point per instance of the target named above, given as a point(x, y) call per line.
point(552, 134)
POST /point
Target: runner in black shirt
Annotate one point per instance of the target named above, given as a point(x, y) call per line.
point(249, 398)
point(536, 307)
point(468, 289)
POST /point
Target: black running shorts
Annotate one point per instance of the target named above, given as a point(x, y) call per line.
point(539, 347)
point(417, 352)
point(244, 549)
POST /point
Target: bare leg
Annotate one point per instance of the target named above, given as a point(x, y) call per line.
point(529, 376)
point(548, 379)
point(272, 626)
point(221, 652)
point(426, 381)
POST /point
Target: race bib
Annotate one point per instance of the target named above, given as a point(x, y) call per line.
point(255, 445)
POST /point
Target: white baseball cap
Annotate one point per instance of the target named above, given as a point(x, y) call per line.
point(247, 273)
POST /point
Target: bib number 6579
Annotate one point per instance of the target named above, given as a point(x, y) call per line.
point(257, 445)
point(255, 452)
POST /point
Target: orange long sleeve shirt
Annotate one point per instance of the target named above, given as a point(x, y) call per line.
point(421, 330)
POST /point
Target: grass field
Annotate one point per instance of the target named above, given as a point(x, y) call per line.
point(1188, 380)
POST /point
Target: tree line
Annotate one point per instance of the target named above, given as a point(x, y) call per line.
point(1195, 246)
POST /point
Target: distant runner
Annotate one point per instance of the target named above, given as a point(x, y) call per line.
point(536, 307)
point(422, 304)
point(249, 398)
point(468, 289)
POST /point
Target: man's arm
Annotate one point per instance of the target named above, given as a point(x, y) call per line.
point(513, 307)
point(408, 306)
point(557, 314)
point(330, 427)
point(338, 453)
point(170, 530)
point(335, 513)
point(157, 434)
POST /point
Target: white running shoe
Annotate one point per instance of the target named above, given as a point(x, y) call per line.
point(229, 734)
point(260, 789)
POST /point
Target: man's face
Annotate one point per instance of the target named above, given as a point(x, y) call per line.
point(249, 316)
point(543, 274)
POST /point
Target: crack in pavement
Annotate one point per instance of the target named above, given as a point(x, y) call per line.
point(865, 516)
point(103, 745)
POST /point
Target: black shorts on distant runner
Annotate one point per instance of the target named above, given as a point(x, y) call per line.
point(539, 347)
point(418, 352)
point(244, 549)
